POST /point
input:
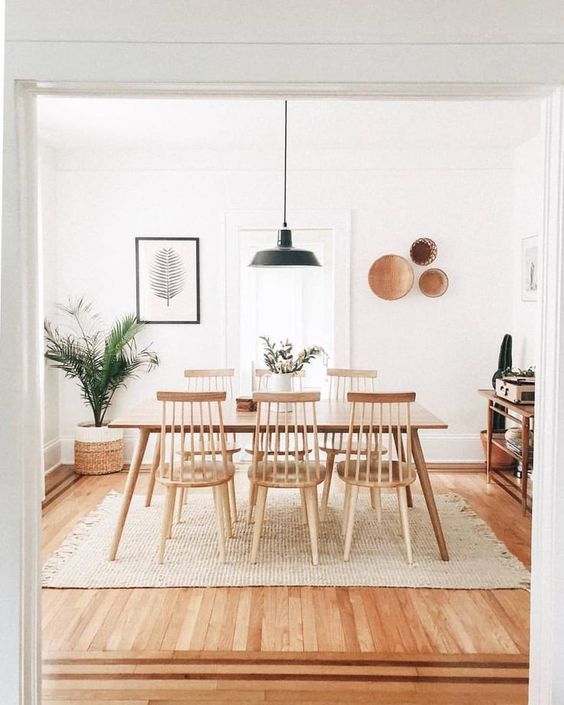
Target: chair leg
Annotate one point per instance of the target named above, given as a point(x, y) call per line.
point(313, 521)
point(252, 501)
point(227, 510)
point(376, 502)
point(350, 520)
point(318, 519)
point(346, 506)
point(409, 496)
point(303, 502)
point(232, 499)
point(327, 484)
point(218, 501)
point(171, 518)
point(259, 518)
point(167, 514)
point(180, 504)
point(402, 501)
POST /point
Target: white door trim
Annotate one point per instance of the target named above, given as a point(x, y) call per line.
point(547, 641)
point(549, 451)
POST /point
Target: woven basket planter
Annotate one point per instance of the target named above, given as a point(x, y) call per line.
point(98, 451)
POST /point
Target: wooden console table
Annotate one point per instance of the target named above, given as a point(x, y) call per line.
point(523, 415)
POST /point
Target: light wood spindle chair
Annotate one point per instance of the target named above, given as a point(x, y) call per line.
point(285, 422)
point(261, 378)
point(215, 380)
point(342, 381)
point(191, 420)
point(205, 380)
point(374, 420)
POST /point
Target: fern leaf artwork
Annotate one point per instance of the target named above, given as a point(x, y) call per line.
point(167, 274)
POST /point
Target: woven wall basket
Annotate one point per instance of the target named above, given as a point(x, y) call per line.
point(98, 451)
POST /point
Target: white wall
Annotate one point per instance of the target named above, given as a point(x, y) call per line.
point(528, 213)
point(444, 348)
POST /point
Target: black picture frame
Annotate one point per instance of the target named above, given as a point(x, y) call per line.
point(139, 284)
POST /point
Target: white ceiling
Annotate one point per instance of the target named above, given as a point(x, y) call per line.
point(116, 123)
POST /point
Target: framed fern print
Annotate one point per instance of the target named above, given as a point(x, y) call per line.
point(168, 279)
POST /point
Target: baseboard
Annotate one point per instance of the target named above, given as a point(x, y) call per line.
point(457, 467)
point(52, 455)
point(57, 481)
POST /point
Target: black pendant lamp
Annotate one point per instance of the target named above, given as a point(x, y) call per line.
point(285, 254)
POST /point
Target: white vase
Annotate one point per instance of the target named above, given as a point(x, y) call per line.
point(281, 383)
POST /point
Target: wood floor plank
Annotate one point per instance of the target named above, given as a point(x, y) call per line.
point(275, 628)
point(347, 619)
point(254, 635)
point(192, 605)
point(328, 621)
point(174, 628)
point(364, 636)
point(308, 620)
point(203, 619)
point(242, 620)
point(295, 621)
point(411, 620)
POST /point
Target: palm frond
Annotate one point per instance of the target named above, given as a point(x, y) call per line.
point(100, 363)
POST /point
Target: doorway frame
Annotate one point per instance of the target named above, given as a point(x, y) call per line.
point(549, 448)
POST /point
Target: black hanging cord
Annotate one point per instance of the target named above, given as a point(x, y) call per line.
point(285, 154)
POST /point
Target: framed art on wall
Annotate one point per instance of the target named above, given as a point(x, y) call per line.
point(168, 279)
point(529, 268)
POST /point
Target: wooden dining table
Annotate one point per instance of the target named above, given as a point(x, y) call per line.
point(333, 416)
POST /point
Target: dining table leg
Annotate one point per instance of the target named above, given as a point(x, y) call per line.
point(423, 475)
point(132, 476)
point(153, 473)
point(400, 449)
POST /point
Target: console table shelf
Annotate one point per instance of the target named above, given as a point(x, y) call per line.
point(523, 415)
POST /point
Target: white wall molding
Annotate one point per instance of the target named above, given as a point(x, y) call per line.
point(52, 454)
point(547, 606)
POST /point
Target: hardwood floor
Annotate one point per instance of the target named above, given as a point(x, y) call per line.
point(151, 645)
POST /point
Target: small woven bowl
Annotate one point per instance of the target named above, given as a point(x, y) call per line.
point(423, 251)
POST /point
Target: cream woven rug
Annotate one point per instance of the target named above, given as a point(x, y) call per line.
point(477, 559)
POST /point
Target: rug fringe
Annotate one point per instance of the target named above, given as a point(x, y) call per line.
point(72, 541)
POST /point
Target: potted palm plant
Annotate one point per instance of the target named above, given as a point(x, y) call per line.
point(101, 361)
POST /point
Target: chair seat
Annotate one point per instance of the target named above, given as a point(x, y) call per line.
point(231, 446)
point(338, 444)
point(369, 476)
point(275, 475)
point(202, 475)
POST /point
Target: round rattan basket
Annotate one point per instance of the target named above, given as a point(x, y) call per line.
point(97, 451)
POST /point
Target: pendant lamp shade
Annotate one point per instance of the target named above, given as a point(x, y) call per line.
point(285, 254)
